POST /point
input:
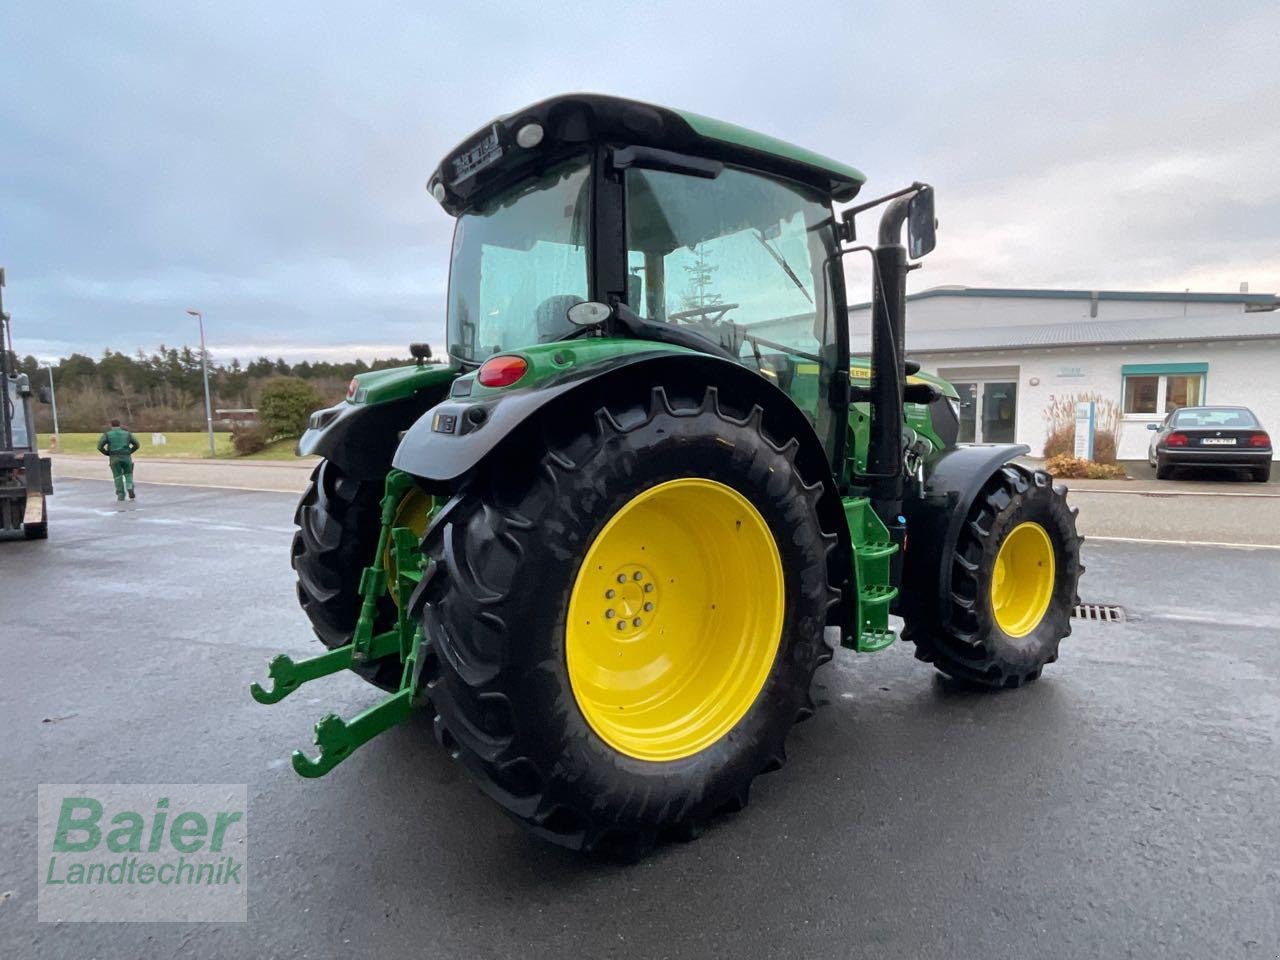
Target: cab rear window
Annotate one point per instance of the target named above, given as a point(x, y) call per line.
point(1214, 417)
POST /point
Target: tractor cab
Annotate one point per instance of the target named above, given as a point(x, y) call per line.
point(698, 232)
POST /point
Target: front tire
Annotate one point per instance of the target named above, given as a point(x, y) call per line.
point(1014, 574)
point(606, 722)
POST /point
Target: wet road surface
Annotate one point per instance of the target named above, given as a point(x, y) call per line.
point(1125, 805)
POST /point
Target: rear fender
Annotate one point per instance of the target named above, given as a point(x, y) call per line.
point(361, 437)
point(460, 435)
point(935, 517)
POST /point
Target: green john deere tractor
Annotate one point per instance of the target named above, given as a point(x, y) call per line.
point(610, 542)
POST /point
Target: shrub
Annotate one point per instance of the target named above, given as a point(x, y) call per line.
point(1067, 467)
point(247, 440)
point(1060, 421)
point(286, 404)
point(1060, 442)
point(1104, 447)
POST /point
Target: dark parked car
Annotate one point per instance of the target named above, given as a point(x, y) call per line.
point(1210, 437)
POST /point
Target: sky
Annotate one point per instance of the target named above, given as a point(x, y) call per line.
point(265, 163)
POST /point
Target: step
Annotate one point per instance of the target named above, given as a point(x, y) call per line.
point(876, 549)
point(872, 641)
point(877, 594)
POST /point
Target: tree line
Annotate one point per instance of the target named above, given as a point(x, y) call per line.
point(162, 390)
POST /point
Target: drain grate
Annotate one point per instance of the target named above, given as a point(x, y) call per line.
point(1099, 612)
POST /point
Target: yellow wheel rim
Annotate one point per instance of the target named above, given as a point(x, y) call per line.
point(675, 619)
point(414, 512)
point(1022, 582)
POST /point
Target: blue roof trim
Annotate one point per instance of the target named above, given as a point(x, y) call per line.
point(1259, 299)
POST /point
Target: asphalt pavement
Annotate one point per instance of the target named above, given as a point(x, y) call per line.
point(1210, 507)
point(1124, 806)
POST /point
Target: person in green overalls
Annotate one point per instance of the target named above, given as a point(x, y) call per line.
point(119, 444)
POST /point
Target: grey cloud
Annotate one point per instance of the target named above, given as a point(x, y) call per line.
point(268, 160)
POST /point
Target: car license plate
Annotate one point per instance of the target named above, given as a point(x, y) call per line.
point(1219, 441)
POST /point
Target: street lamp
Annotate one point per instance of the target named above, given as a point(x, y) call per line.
point(204, 367)
point(53, 399)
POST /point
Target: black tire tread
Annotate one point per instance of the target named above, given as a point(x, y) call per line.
point(473, 716)
point(964, 645)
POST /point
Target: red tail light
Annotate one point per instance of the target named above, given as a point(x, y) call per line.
point(352, 387)
point(502, 371)
point(1260, 440)
point(1176, 440)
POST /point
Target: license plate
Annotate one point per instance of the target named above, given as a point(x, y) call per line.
point(475, 156)
point(1219, 441)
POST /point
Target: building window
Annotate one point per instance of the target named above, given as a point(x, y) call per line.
point(1141, 394)
point(1155, 390)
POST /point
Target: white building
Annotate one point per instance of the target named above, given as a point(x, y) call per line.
point(1010, 351)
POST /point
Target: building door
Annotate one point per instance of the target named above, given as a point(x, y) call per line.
point(999, 411)
point(988, 410)
point(968, 411)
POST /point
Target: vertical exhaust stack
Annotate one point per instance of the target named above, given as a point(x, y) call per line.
point(888, 336)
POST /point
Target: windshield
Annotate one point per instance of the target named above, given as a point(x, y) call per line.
point(1214, 417)
point(519, 262)
point(18, 418)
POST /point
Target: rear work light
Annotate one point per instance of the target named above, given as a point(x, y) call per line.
point(1176, 440)
point(1260, 440)
point(502, 371)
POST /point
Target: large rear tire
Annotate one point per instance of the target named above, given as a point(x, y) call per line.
point(625, 623)
point(1014, 574)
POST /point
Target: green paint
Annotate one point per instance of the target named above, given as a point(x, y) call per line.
point(396, 383)
point(845, 180)
point(872, 550)
point(336, 737)
point(549, 361)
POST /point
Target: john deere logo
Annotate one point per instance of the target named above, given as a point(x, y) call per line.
point(142, 852)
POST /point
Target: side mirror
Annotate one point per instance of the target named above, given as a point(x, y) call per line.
point(44, 396)
point(922, 226)
point(1153, 426)
point(588, 313)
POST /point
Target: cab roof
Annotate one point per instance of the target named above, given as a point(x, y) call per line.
point(492, 158)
